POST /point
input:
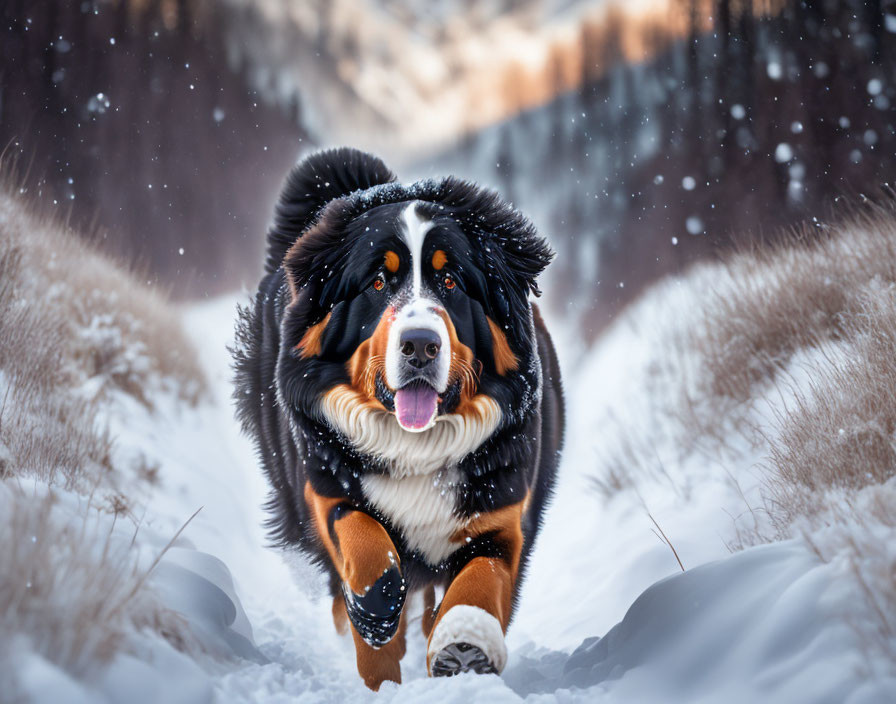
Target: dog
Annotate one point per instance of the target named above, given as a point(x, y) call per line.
point(405, 400)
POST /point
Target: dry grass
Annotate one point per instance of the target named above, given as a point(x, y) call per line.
point(798, 294)
point(75, 330)
point(789, 359)
point(45, 433)
point(832, 464)
point(840, 434)
point(116, 331)
point(69, 589)
point(836, 294)
point(831, 445)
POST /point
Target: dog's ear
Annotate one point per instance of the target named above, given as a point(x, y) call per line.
point(523, 253)
point(313, 182)
point(527, 253)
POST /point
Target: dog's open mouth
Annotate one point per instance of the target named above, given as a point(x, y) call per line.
point(416, 406)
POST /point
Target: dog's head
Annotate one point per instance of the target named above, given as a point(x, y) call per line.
point(412, 301)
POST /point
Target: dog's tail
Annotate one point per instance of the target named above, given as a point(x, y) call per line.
point(313, 182)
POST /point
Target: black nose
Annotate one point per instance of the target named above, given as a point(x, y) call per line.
point(420, 346)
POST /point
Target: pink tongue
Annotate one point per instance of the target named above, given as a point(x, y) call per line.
point(415, 405)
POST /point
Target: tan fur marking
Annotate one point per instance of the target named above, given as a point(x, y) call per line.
point(320, 509)
point(362, 555)
point(340, 615)
point(476, 408)
point(463, 366)
point(370, 358)
point(504, 521)
point(392, 261)
point(376, 665)
point(487, 582)
point(364, 548)
point(439, 259)
point(505, 359)
point(309, 345)
point(429, 608)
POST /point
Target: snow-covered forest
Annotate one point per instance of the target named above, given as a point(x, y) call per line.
point(138, 123)
point(716, 178)
point(635, 170)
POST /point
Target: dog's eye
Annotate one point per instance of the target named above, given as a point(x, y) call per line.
point(449, 283)
point(379, 283)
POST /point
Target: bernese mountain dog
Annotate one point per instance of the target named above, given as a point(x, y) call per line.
point(405, 400)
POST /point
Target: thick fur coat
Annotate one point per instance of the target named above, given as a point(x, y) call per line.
point(405, 400)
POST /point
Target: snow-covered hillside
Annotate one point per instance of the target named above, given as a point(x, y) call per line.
point(661, 465)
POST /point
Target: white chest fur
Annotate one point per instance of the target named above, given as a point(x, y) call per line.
point(422, 507)
point(376, 432)
point(419, 495)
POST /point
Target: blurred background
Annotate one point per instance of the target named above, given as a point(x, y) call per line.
point(640, 136)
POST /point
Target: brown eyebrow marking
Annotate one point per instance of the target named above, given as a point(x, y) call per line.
point(439, 258)
point(392, 261)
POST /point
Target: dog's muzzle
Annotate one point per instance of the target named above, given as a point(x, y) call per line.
point(417, 361)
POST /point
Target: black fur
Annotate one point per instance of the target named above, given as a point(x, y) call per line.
point(311, 185)
point(342, 205)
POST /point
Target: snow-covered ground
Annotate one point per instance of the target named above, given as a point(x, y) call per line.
point(606, 613)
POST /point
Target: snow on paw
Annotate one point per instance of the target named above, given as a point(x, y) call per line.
point(376, 613)
point(466, 639)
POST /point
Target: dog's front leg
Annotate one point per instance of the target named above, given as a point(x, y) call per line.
point(373, 587)
point(468, 633)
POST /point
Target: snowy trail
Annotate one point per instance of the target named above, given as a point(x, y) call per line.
point(292, 627)
point(718, 631)
point(288, 607)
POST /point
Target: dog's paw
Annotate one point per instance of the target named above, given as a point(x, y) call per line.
point(461, 657)
point(376, 613)
point(466, 639)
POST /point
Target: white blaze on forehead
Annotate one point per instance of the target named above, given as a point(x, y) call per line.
point(418, 311)
point(415, 229)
